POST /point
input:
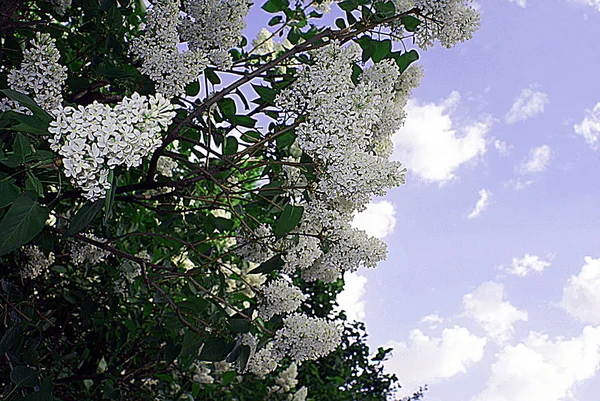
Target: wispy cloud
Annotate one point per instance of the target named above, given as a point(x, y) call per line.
point(589, 128)
point(487, 306)
point(526, 105)
point(520, 3)
point(526, 265)
point(429, 360)
point(541, 369)
point(581, 294)
point(481, 205)
point(538, 160)
point(432, 145)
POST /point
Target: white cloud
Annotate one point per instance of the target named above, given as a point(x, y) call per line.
point(432, 146)
point(432, 320)
point(581, 294)
point(592, 3)
point(589, 128)
point(538, 160)
point(539, 369)
point(520, 3)
point(526, 105)
point(526, 265)
point(486, 305)
point(378, 220)
point(482, 203)
point(351, 298)
point(502, 147)
point(429, 360)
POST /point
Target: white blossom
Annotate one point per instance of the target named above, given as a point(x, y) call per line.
point(277, 297)
point(37, 262)
point(264, 361)
point(286, 381)
point(162, 61)
point(95, 138)
point(82, 252)
point(306, 338)
point(213, 27)
point(40, 75)
point(165, 166)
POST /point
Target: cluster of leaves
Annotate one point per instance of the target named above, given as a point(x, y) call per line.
point(74, 332)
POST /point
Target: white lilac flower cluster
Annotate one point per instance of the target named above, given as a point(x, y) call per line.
point(286, 380)
point(165, 166)
point(339, 131)
point(83, 252)
point(37, 263)
point(294, 181)
point(40, 75)
point(162, 61)
point(129, 271)
point(213, 27)
point(60, 6)
point(201, 373)
point(98, 137)
point(448, 21)
point(278, 297)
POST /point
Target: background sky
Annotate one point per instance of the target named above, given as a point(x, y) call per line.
point(491, 289)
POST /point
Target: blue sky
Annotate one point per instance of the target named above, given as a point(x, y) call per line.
point(491, 290)
point(501, 115)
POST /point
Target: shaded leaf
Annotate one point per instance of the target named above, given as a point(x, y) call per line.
point(288, 220)
point(8, 193)
point(23, 221)
point(273, 6)
point(216, 349)
point(410, 23)
point(29, 103)
point(23, 376)
point(274, 263)
point(84, 217)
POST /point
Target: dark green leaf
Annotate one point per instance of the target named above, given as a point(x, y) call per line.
point(21, 146)
point(273, 6)
point(410, 23)
point(216, 349)
point(275, 263)
point(382, 50)
point(275, 20)
point(294, 36)
point(288, 220)
point(32, 183)
point(8, 193)
point(340, 23)
point(23, 376)
point(25, 123)
point(227, 107)
point(266, 94)
point(190, 347)
point(84, 217)
point(212, 76)
point(348, 5)
point(110, 196)
point(29, 103)
point(223, 225)
point(284, 140)
point(243, 359)
point(9, 337)
point(228, 377)
point(406, 59)
point(239, 324)
point(23, 221)
point(356, 71)
point(367, 45)
point(193, 88)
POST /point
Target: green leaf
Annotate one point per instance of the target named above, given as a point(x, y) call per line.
point(216, 349)
point(227, 107)
point(228, 377)
point(340, 23)
point(368, 47)
point(243, 359)
point(23, 376)
point(223, 225)
point(348, 5)
point(284, 140)
point(410, 23)
point(21, 146)
point(84, 217)
point(8, 193)
point(25, 123)
point(273, 6)
point(32, 183)
point(193, 88)
point(29, 103)
point(382, 50)
point(356, 71)
point(294, 36)
point(239, 324)
point(406, 59)
point(266, 94)
point(275, 263)
point(23, 221)
point(212, 76)
point(190, 347)
point(288, 220)
point(275, 20)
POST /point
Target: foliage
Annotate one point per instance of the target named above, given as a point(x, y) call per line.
point(150, 194)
